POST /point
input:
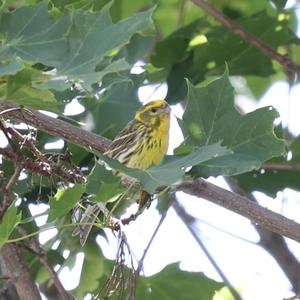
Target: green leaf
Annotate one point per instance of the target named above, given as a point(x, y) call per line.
point(103, 184)
point(64, 200)
point(113, 112)
point(272, 181)
point(225, 46)
point(10, 220)
point(31, 34)
point(178, 41)
point(173, 283)
point(89, 278)
point(171, 170)
point(11, 66)
point(97, 176)
point(75, 44)
point(205, 51)
point(108, 192)
point(138, 47)
point(210, 117)
point(19, 89)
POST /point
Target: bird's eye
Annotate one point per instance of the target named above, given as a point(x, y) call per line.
point(153, 110)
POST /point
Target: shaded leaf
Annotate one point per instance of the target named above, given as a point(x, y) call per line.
point(11, 66)
point(74, 44)
point(93, 269)
point(173, 283)
point(103, 184)
point(97, 176)
point(272, 181)
point(210, 117)
point(205, 51)
point(19, 89)
point(116, 108)
point(64, 200)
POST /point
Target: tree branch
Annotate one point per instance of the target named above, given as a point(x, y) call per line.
point(8, 189)
point(33, 246)
point(188, 221)
point(13, 266)
point(55, 127)
point(284, 60)
point(200, 188)
point(243, 206)
point(281, 166)
point(275, 244)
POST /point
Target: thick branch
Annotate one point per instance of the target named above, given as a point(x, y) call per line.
point(243, 206)
point(284, 60)
point(13, 266)
point(275, 244)
point(55, 127)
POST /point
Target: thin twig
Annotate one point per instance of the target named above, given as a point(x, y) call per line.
point(141, 261)
point(25, 140)
point(182, 12)
point(284, 60)
point(42, 168)
point(6, 111)
point(33, 246)
point(188, 221)
point(8, 189)
point(281, 166)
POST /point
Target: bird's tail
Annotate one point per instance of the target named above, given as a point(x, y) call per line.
point(87, 221)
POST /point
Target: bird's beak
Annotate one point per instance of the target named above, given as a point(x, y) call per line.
point(167, 109)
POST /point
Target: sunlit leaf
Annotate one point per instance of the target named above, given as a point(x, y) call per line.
point(64, 200)
point(211, 117)
point(10, 220)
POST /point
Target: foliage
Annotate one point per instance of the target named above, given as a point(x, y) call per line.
point(54, 52)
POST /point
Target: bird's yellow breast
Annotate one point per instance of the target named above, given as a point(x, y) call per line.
point(154, 146)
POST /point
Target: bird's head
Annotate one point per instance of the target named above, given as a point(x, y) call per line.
point(154, 113)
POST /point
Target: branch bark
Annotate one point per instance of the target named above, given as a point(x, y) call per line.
point(275, 244)
point(281, 166)
point(284, 60)
point(8, 189)
point(55, 127)
point(259, 215)
point(13, 266)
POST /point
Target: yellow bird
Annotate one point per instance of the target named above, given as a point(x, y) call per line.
point(141, 144)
